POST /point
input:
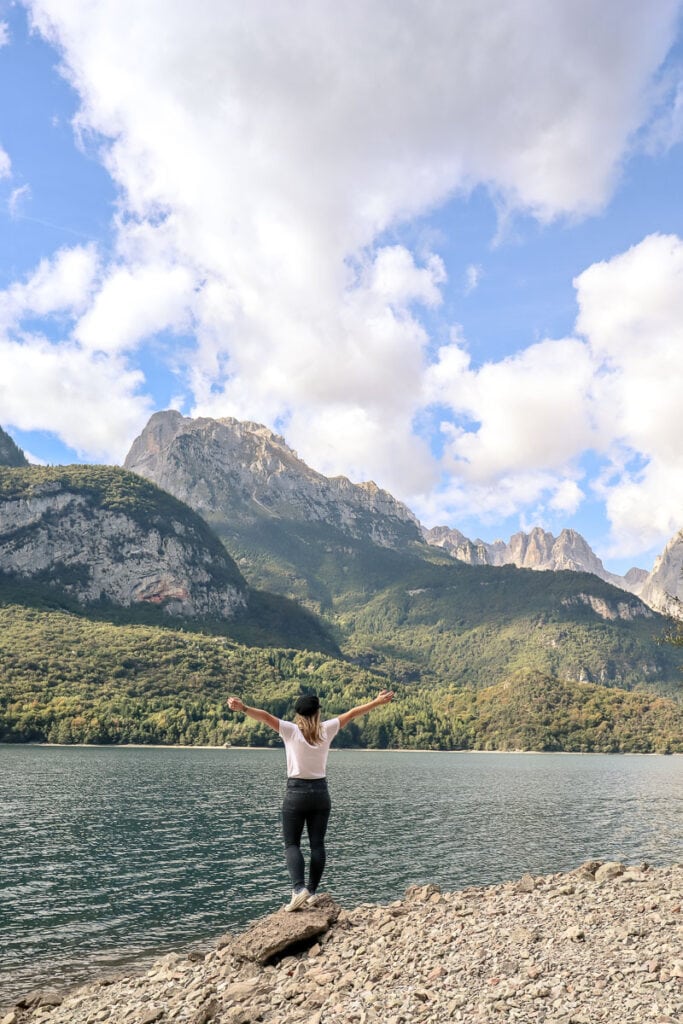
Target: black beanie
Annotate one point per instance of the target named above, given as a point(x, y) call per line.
point(307, 705)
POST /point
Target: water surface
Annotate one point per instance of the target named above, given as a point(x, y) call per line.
point(113, 854)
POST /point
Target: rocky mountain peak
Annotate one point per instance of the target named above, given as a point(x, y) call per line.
point(663, 588)
point(244, 470)
point(538, 549)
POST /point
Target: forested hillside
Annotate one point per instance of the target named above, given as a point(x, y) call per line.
point(67, 679)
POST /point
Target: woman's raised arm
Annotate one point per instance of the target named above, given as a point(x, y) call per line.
point(384, 697)
point(235, 704)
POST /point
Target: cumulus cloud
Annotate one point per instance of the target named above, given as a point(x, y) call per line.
point(268, 146)
point(4, 34)
point(472, 277)
point(631, 313)
point(532, 411)
point(78, 395)
point(261, 151)
point(92, 401)
point(134, 303)
point(64, 283)
point(515, 430)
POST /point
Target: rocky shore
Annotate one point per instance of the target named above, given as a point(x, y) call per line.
point(602, 943)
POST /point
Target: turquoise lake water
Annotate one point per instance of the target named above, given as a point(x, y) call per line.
point(110, 855)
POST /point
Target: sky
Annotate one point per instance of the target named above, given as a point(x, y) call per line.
point(439, 246)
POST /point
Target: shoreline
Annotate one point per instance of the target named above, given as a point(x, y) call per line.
point(341, 750)
point(598, 943)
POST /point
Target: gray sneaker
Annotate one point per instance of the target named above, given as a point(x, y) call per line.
point(298, 899)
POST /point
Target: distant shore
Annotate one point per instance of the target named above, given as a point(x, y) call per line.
point(339, 750)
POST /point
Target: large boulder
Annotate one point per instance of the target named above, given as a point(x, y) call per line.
point(277, 932)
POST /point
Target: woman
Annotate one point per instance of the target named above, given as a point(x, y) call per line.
point(307, 801)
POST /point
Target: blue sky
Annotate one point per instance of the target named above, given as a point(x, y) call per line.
point(424, 249)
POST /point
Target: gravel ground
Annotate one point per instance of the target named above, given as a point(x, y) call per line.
point(602, 943)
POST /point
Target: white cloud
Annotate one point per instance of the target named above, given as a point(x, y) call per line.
point(4, 34)
point(5, 164)
point(519, 427)
point(134, 303)
point(631, 312)
point(261, 150)
point(531, 411)
point(500, 498)
point(567, 498)
point(89, 401)
point(64, 283)
point(269, 145)
point(17, 199)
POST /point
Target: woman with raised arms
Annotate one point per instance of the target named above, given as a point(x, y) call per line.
point(307, 800)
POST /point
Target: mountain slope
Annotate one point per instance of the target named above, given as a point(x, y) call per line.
point(10, 453)
point(66, 679)
point(291, 530)
point(472, 626)
point(399, 603)
point(244, 469)
point(99, 534)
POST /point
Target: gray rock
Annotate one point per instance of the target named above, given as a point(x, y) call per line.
point(612, 869)
point(150, 1016)
point(273, 934)
point(206, 1012)
point(421, 893)
point(40, 997)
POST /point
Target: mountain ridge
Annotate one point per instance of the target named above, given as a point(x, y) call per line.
point(257, 473)
point(227, 468)
point(403, 605)
point(538, 549)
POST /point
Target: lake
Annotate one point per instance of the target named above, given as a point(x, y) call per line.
point(114, 854)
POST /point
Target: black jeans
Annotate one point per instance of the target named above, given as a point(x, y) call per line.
point(307, 802)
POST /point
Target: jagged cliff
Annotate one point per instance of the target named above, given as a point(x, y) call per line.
point(663, 588)
point(10, 453)
point(98, 533)
point(244, 471)
point(537, 549)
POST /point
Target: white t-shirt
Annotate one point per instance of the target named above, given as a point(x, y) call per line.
point(303, 760)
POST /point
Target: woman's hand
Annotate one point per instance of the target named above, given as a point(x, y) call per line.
point(385, 697)
point(235, 704)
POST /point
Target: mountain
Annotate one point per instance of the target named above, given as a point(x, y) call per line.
point(663, 588)
point(124, 619)
point(10, 453)
point(356, 557)
point(97, 533)
point(537, 549)
point(291, 530)
point(244, 470)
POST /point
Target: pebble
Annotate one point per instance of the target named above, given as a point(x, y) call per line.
point(606, 952)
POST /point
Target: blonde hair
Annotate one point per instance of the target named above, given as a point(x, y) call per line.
point(310, 727)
